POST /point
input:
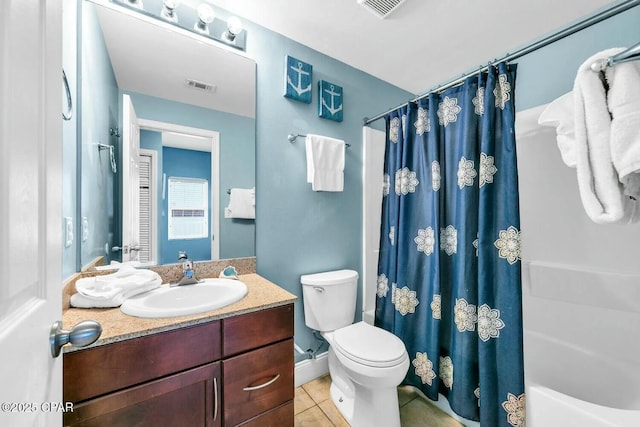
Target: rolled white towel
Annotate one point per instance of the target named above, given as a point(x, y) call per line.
point(600, 190)
point(623, 99)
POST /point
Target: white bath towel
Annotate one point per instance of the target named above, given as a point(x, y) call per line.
point(242, 203)
point(600, 190)
point(560, 114)
point(112, 289)
point(624, 105)
point(325, 163)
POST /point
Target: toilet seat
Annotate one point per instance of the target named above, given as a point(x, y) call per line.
point(369, 345)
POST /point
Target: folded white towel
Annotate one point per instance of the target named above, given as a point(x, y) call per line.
point(81, 301)
point(560, 114)
point(601, 192)
point(112, 289)
point(242, 203)
point(325, 163)
point(624, 105)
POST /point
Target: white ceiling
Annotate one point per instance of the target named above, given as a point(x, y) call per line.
point(423, 43)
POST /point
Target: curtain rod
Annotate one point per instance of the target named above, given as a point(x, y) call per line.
point(558, 35)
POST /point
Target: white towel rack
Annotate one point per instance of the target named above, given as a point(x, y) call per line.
point(293, 136)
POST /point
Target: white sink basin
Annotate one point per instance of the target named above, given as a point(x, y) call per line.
point(167, 301)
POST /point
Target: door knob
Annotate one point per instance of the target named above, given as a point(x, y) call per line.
point(81, 335)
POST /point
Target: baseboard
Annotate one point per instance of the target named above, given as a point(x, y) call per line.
point(310, 369)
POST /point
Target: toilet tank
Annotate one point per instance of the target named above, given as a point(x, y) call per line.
point(329, 299)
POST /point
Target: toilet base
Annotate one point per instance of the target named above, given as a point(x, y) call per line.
point(366, 408)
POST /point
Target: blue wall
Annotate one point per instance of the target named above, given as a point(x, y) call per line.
point(100, 112)
point(181, 163)
point(299, 231)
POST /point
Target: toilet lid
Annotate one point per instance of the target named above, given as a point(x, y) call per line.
point(369, 345)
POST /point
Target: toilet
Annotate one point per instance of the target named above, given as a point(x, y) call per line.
point(366, 363)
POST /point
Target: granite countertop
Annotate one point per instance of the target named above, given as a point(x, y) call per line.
point(117, 326)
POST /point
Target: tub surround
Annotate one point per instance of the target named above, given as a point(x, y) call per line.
point(117, 326)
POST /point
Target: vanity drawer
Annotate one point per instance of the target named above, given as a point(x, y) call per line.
point(282, 416)
point(107, 368)
point(253, 330)
point(257, 381)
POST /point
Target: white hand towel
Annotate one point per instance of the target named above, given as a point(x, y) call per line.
point(624, 104)
point(242, 203)
point(601, 192)
point(325, 163)
point(560, 114)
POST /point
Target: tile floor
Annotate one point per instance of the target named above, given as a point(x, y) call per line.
point(314, 408)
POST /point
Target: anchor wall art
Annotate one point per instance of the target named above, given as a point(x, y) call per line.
point(329, 101)
point(298, 76)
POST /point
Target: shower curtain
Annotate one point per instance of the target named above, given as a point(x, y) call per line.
point(449, 267)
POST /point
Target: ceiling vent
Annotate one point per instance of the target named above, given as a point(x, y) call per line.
point(381, 8)
point(195, 84)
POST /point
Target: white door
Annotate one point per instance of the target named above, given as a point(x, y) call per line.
point(130, 181)
point(30, 211)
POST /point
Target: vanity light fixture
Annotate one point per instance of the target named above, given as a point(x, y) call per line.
point(234, 27)
point(201, 20)
point(168, 11)
point(205, 17)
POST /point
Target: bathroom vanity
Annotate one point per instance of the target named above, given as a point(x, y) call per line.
point(232, 366)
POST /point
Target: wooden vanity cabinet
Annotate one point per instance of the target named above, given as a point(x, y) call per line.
point(235, 371)
point(258, 368)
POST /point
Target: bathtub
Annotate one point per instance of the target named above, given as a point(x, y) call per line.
point(567, 385)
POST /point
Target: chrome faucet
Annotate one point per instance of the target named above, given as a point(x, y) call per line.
point(188, 273)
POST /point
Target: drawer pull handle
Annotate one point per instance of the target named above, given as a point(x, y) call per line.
point(267, 384)
point(215, 398)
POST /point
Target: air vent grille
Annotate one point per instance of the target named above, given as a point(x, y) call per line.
point(381, 8)
point(195, 84)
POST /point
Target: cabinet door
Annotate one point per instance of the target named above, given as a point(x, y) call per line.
point(191, 398)
point(257, 381)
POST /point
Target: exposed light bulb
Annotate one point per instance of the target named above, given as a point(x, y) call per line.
point(168, 11)
point(234, 26)
point(205, 17)
point(136, 3)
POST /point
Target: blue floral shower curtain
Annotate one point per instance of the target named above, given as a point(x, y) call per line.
point(449, 267)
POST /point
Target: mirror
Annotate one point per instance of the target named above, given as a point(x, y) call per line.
point(195, 108)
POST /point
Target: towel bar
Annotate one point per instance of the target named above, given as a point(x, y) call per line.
point(292, 138)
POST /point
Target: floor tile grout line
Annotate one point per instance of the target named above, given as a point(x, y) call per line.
point(327, 415)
